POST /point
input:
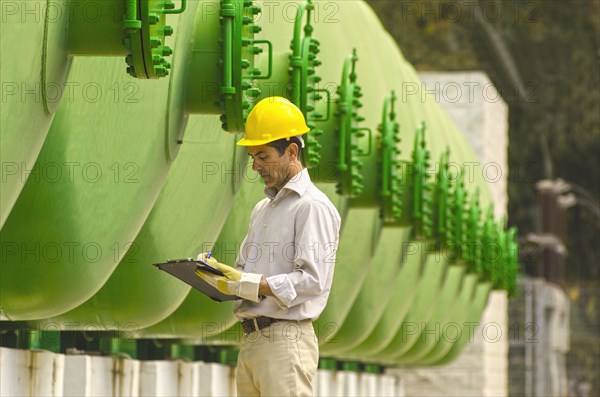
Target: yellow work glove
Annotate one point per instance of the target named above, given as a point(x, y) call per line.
point(232, 282)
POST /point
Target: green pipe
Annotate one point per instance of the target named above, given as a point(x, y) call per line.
point(465, 298)
point(228, 15)
point(102, 32)
point(428, 296)
point(433, 331)
point(343, 108)
point(406, 287)
point(385, 269)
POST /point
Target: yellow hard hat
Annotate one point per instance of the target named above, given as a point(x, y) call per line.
point(271, 119)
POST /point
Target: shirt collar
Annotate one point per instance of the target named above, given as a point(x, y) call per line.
point(299, 183)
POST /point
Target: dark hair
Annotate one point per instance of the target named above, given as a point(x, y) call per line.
point(282, 144)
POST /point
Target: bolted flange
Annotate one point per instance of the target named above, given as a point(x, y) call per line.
point(144, 25)
point(304, 93)
point(348, 132)
point(238, 48)
point(389, 171)
point(422, 205)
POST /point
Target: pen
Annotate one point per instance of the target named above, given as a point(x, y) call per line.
point(209, 254)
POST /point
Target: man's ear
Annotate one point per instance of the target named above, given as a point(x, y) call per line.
point(293, 150)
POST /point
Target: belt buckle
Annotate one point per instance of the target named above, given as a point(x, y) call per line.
point(250, 322)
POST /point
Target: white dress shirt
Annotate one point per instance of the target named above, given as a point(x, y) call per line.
point(292, 241)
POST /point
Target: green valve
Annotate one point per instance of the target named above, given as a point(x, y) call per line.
point(238, 48)
point(456, 221)
point(441, 197)
point(349, 183)
point(390, 172)
point(499, 260)
point(472, 248)
point(422, 204)
point(303, 61)
point(489, 247)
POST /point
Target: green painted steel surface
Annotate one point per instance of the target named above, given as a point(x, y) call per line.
point(357, 239)
point(429, 289)
point(384, 268)
point(178, 226)
point(24, 119)
point(403, 295)
point(459, 318)
point(433, 330)
point(94, 183)
point(129, 175)
point(478, 304)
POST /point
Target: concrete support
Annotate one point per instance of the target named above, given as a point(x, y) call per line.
point(31, 372)
point(43, 373)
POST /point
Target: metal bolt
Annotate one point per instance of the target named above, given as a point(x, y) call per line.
point(153, 18)
point(155, 42)
point(166, 30)
point(255, 50)
point(160, 71)
point(255, 9)
point(254, 28)
point(253, 92)
point(165, 50)
point(245, 64)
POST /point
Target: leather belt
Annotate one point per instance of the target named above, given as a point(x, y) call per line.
point(250, 325)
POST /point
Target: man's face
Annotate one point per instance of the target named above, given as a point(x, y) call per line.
point(273, 168)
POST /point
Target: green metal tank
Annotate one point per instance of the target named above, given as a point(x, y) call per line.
point(179, 225)
point(95, 181)
point(34, 68)
point(143, 169)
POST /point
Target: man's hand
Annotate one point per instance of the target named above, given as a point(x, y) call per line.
point(232, 282)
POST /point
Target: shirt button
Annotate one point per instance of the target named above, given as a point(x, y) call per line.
point(265, 225)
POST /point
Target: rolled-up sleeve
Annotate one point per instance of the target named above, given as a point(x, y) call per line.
point(316, 243)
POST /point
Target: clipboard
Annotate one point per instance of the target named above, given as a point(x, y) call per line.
point(185, 270)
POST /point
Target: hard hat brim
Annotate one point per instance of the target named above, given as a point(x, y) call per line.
point(259, 142)
point(253, 142)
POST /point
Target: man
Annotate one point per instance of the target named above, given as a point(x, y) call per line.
point(285, 266)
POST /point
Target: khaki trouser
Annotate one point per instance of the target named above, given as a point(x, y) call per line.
point(279, 360)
